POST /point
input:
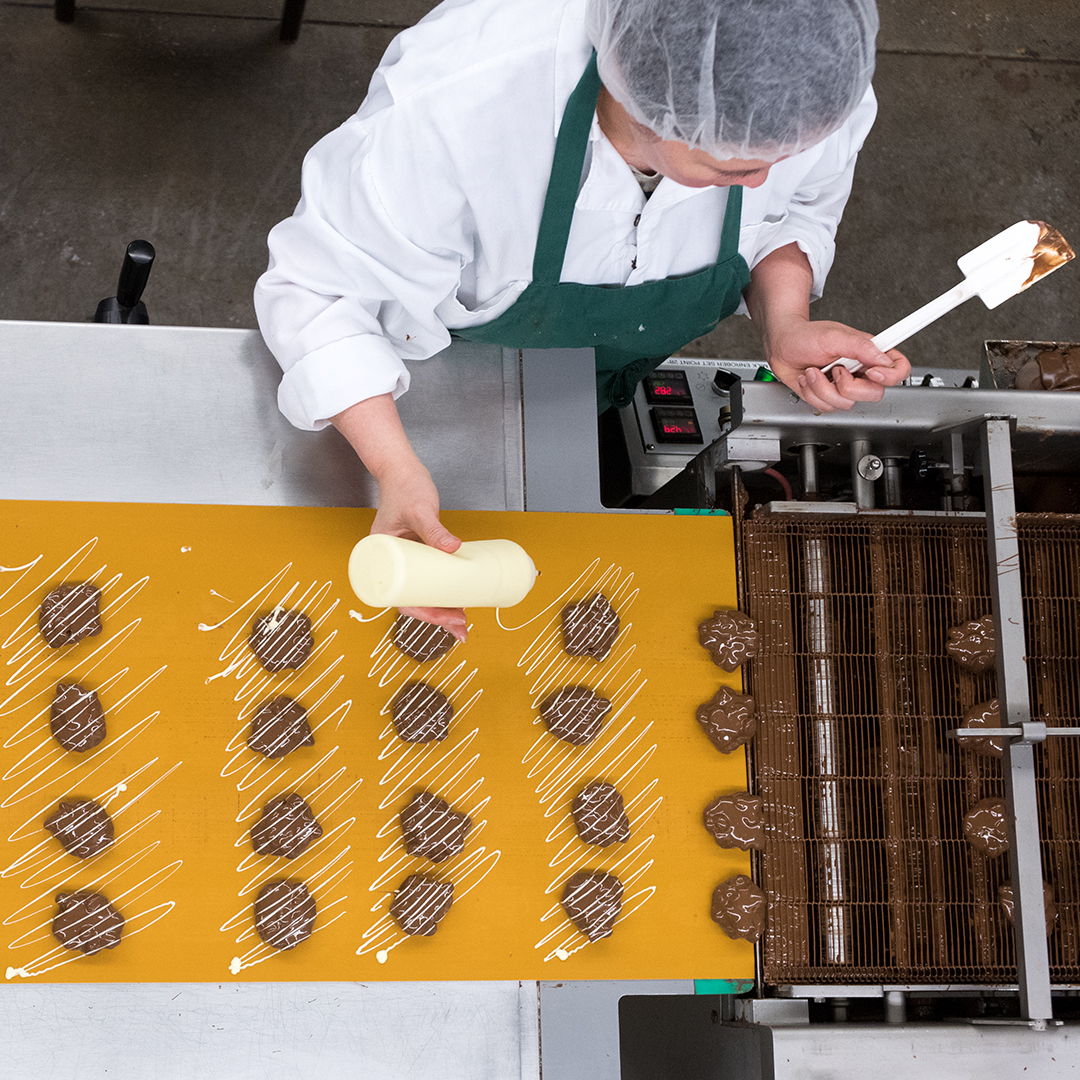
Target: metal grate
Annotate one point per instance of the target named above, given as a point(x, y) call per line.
point(868, 874)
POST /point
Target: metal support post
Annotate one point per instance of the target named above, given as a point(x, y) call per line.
point(1025, 866)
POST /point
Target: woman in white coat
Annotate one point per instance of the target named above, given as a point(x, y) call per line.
point(620, 174)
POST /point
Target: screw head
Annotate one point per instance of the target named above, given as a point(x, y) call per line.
point(870, 467)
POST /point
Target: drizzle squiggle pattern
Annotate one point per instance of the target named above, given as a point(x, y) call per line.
point(448, 769)
point(45, 773)
point(621, 753)
point(325, 866)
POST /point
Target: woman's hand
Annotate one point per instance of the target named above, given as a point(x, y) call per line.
point(408, 498)
point(409, 507)
point(797, 348)
point(778, 299)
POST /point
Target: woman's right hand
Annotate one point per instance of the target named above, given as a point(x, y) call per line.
point(408, 498)
point(409, 507)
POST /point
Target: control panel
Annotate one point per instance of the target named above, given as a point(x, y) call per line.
point(675, 414)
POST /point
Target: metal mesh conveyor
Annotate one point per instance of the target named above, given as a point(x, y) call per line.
point(868, 874)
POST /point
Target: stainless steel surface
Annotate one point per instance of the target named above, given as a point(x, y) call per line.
point(862, 483)
point(651, 464)
point(186, 414)
point(562, 470)
point(808, 469)
point(266, 1031)
point(1025, 865)
point(902, 421)
point(918, 1052)
point(776, 1012)
point(579, 1025)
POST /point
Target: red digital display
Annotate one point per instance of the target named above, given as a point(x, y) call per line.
point(674, 424)
point(667, 385)
point(686, 428)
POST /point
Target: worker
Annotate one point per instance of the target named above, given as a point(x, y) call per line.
point(621, 174)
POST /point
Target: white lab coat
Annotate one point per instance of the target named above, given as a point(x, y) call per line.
point(419, 214)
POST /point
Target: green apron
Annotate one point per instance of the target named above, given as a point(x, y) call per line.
point(633, 328)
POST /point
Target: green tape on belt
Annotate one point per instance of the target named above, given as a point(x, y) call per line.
point(723, 986)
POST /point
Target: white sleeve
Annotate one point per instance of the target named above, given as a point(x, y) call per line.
point(816, 204)
point(346, 296)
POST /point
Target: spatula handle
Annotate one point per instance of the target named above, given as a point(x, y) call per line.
point(911, 324)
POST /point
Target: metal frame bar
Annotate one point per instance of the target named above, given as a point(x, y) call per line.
point(1025, 864)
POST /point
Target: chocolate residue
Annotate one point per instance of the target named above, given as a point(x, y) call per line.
point(593, 900)
point(1053, 370)
point(736, 821)
point(599, 815)
point(738, 907)
point(574, 714)
point(287, 827)
point(421, 713)
point(985, 714)
point(422, 641)
point(420, 903)
point(431, 829)
point(279, 727)
point(731, 638)
point(1008, 904)
point(728, 719)
point(76, 718)
point(1051, 251)
point(87, 922)
point(590, 627)
point(972, 644)
point(986, 827)
point(82, 826)
point(69, 613)
point(281, 639)
point(284, 913)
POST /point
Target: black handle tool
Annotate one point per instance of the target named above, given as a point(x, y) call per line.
point(125, 306)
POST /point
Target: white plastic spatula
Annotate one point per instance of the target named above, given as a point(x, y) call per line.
point(1005, 265)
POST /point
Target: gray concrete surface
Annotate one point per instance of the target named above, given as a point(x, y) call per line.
point(185, 122)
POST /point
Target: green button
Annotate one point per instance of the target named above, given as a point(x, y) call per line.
point(764, 375)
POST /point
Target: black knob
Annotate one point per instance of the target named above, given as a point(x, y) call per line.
point(134, 273)
point(919, 463)
point(126, 306)
point(724, 382)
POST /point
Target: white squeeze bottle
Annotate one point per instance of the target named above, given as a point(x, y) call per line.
point(387, 571)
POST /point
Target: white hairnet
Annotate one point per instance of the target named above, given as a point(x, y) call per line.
point(737, 78)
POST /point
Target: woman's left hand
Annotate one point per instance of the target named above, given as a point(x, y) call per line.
point(797, 349)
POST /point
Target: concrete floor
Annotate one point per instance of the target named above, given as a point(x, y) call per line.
point(186, 124)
